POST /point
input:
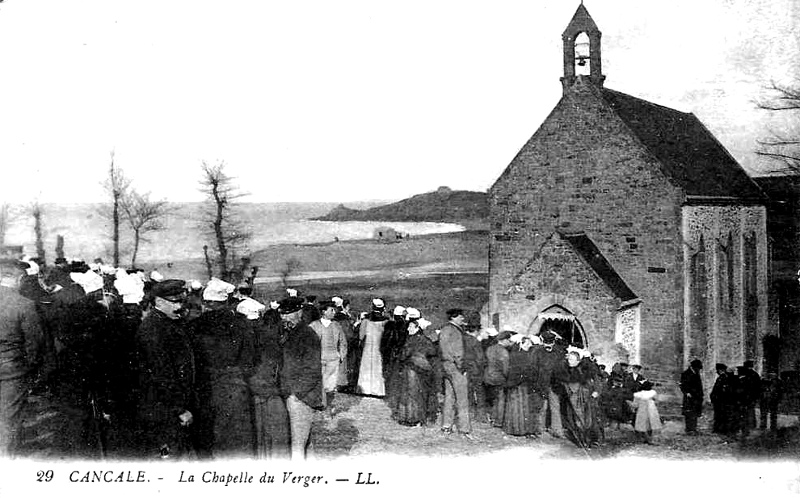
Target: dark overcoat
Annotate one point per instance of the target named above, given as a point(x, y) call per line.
point(692, 388)
point(225, 350)
point(166, 381)
point(302, 365)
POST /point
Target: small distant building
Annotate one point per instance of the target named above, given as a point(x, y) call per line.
point(386, 234)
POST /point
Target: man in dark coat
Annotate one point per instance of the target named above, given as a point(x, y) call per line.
point(692, 388)
point(750, 394)
point(225, 357)
point(771, 395)
point(166, 375)
point(301, 376)
point(721, 399)
point(20, 346)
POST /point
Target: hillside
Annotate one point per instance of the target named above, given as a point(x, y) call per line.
point(443, 205)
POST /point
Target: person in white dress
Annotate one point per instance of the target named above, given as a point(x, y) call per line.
point(370, 331)
point(648, 420)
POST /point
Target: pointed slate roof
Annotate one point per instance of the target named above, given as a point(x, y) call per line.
point(581, 21)
point(688, 152)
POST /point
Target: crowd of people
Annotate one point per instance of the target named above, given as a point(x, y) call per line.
point(734, 397)
point(169, 368)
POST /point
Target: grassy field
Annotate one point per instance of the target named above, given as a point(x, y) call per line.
point(468, 247)
point(431, 294)
point(459, 251)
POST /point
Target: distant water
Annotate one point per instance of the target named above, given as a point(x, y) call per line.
point(87, 231)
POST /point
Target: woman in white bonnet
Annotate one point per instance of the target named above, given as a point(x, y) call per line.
point(370, 331)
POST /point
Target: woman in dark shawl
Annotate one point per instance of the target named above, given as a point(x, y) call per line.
point(415, 399)
point(522, 399)
point(579, 408)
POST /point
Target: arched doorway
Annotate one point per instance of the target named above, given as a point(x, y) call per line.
point(562, 322)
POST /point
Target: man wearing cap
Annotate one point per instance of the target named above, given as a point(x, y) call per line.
point(166, 374)
point(20, 346)
point(301, 376)
point(334, 350)
point(225, 356)
point(451, 348)
point(692, 388)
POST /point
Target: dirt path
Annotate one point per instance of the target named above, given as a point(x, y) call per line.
point(366, 425)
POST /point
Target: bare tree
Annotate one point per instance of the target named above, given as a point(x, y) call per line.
point(36, 212)
point(117, 186)
point(220, 220)
point(782, 147)
point(144, 216)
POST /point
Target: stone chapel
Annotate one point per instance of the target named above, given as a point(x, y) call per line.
point(629, 229)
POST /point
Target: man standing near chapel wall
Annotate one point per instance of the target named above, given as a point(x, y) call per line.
point(451, 348)
point(692, 388)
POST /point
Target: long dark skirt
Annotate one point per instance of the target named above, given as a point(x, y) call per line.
point(225, 422)
point(580, 416)
point(272, 427)
point(353, 362)
point(521, 411)
point(497, 402)
point(615, 406)
point(415, 402)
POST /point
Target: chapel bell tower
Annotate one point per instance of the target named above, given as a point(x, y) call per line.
point(582, 50)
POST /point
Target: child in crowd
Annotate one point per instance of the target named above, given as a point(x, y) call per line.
point(648, 420)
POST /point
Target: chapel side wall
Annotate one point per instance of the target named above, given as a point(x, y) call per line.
point(718, 227)
point(584, 170)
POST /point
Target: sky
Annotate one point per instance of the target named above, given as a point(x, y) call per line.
point(316, 100)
